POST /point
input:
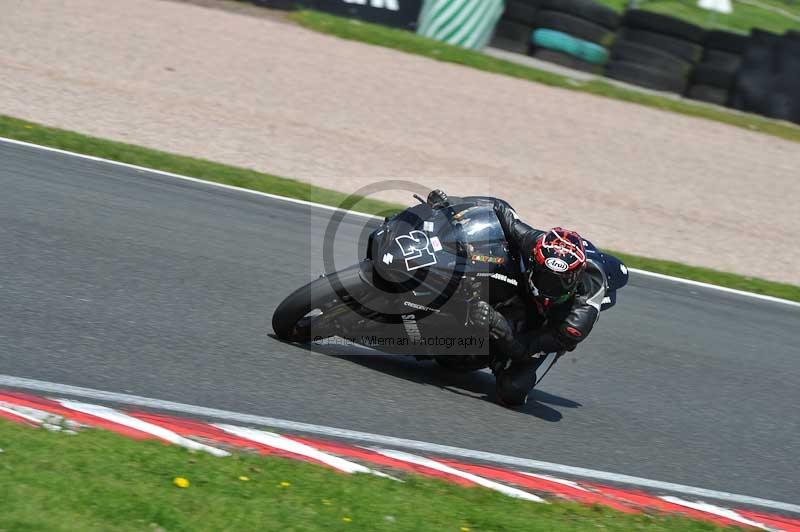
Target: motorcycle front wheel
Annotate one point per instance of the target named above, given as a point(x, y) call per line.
point(306, 313)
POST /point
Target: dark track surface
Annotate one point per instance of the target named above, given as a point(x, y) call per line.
point(132, 282)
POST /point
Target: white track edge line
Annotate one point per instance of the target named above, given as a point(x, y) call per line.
point(364, 215)
point(550, 478)
point(21, 415)
point(202, 411)
point(276, 441)
point(121, 418)
point(716, 510)
point(183, 177)
point(725, 289)
point(477, 479)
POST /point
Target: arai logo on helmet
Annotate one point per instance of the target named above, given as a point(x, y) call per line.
point(556, 264)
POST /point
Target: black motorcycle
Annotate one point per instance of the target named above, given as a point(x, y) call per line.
point(412, 293)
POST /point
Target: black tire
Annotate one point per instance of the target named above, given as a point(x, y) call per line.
point(582, 29)
point(641, 54)
point(587, 10)
point(287, 318)
point(566, 60)
point(520, 11)
point(723, 60)
point(664, 25)
point(726, 41)
point(512, 36)
point(716, 77)
point(645, 77)
point(686, 50)
point(708, 94)
point(753, 88)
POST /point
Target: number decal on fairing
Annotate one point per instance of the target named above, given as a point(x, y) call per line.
point(415, 247)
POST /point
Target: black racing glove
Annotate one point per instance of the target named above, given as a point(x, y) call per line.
point(510, 347)
point(483, 316)
point(549, 342)
point(437, 199)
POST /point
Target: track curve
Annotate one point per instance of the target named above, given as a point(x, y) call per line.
point(118, 279)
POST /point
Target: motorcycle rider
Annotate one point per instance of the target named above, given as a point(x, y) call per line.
point(560, 294)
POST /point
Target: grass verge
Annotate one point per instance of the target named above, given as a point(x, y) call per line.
point(219, 173)
point(97, 480)
point(710, 276)
point(14, 128)
point(414, 44)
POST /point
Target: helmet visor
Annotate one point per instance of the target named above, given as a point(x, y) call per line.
point(553, 285)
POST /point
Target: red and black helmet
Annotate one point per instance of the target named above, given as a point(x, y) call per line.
point(557, 263)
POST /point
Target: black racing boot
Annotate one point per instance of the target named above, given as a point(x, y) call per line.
point(515, 381)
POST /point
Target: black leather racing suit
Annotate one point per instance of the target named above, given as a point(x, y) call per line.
point(532, 327)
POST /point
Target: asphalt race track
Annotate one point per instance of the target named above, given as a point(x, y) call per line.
point(127, 281)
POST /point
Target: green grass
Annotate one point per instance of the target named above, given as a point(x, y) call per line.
point(707, 275)
point(97, 480)
point(745, 16)
point(414, 44)
point(240, 177)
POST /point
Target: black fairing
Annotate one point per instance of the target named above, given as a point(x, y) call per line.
point(436, 248)
point(616, 273)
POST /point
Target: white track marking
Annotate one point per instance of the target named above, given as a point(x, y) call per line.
point(47, 419)
point(438, 466)
point(715, 287)
point(717, 510)
point(110, 414)
point(389, 441)
point(182, 177)
point(562, 481)
point(22, 415)
point(361, 214)
point(276, 441)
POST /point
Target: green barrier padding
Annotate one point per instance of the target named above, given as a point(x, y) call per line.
point(563, 42)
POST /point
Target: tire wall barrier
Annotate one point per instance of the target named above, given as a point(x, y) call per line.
point(655, 51)
point(768, 81)
point(566, 50)
point(572, 33)
point(759, 73)
point(712, 78)
point(515, 28)
point(466, 23)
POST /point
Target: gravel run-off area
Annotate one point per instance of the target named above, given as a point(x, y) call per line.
point(262, 93)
